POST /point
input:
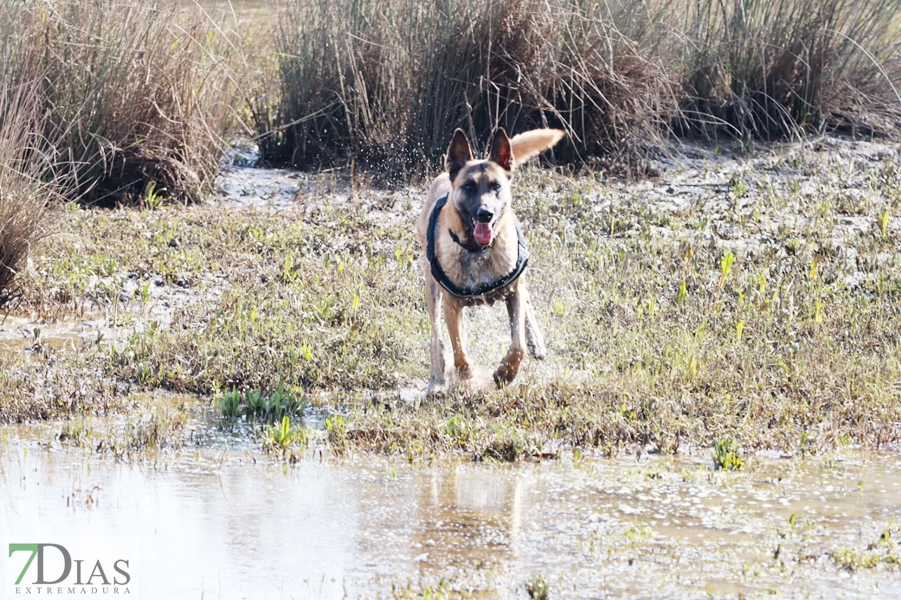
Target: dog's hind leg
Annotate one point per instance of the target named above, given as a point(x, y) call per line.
point(517, 303)
point(534, 337)
point(436, 348)
point(453, 315)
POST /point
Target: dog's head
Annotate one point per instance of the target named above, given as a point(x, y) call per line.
point(481, 188)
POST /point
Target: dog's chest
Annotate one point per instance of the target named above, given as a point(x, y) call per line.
point(498, 295)
point(480, 269)
point(476, 264)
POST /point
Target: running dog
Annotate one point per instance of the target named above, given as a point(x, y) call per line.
point(475, 252)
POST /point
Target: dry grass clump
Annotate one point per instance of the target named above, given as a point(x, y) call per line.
point(56, 386)
point(387, 83)
point(24, 216)
point(135, 95)
point(23, 194)
point(771, 69)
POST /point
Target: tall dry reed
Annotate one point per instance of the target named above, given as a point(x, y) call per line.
point(25, 196)
point(136, 95)
point(770, 69)
point(385, 83)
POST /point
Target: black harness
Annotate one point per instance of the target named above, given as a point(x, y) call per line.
point(441, 277)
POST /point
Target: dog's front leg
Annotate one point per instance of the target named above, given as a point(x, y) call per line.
point(453, 315)
point(516, 309)
point(436, 348)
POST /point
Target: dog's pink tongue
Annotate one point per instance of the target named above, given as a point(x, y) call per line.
point(483, 233)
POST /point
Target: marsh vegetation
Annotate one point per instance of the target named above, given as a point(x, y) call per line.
point(741, 292)
point(751, 299)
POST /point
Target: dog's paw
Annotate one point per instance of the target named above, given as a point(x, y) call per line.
point(435, 391)
point(464, 372)
point(537, 351)
point(436, 385)
point(535, 341)
point(504, 375)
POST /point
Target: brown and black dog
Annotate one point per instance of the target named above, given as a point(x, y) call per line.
point(475, 252)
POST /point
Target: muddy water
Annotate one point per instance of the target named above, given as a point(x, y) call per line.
point(221, 520)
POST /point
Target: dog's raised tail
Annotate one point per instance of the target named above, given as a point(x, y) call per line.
point(532, 143)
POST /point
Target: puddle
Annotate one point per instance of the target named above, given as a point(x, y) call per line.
point(135, 306)
point(19, 333)
point(222, 520)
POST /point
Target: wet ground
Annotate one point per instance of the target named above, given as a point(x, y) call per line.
point(719, 185)
point(725, 189)
point(221, 520)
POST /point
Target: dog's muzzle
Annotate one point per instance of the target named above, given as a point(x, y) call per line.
point(484, 216)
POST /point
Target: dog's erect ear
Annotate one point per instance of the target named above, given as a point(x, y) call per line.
point(501, 152)
point(458, 154)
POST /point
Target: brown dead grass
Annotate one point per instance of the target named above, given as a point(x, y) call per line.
point(135, 97)
point(24, 215)
point(383, 85)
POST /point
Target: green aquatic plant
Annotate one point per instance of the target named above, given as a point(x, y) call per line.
point(154, 196)
point(282, 434)
point(538, 589)
point(155, 430)
point(683, 294)
point(337, 430)
point(256, 404)
point(282, 403)
point(458, 429)
point(726, 267)
point(76, 432)
point(726, 456)
point(739, 187)
point(882, 551)
point(230, 405)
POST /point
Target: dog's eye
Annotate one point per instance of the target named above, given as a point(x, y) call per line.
point(495, 186)
point(469, 186)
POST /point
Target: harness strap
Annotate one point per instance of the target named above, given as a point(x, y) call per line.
point(522, 260)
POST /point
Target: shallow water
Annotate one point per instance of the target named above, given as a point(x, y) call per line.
point(223, 520)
